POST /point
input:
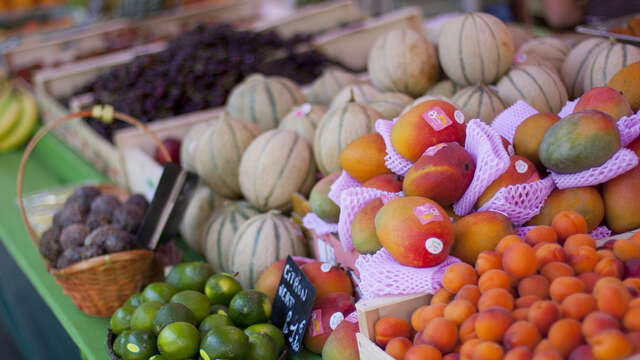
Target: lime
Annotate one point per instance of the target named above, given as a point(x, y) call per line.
point(170, 313)
point(142, 317)
point(249, 307)
point(219, 309)
point(134, 301)
point(214, 320)
point(178, 341)
point(270, 330)
point(221, 288)
point(224, 342)
point(118, 343)
point(121, 320)
point(158, 357)
point(196, 302)
point(262, 347)
point(158, 291)
point(190, 276)
point(139, 345)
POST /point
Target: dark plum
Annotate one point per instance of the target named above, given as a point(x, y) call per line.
point(73, 235)
point(68, 257)
point(128, 217)
point(104, 204)
point(49, 245)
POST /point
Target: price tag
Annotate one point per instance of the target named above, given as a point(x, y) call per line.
point(293, 303)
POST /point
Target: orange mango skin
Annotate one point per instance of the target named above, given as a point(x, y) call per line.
point(442, 177)
point(529, 134)
point(342, 344)
point(621, 194)
point(385, 182)
point(478, 232)
point(404, 236)
point(363, 158)
point(363, 228)
point(510, 177)
point(328, 304)
point(411, 135)
point(584, 200)
point(605, 99)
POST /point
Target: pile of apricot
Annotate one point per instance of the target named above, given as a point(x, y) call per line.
point(551, 295)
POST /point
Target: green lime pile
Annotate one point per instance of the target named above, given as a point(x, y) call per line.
point(196, 314)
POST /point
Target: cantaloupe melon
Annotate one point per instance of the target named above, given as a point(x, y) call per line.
point(519, 34)
point(260, 242)
point(362, 93)
point(277, 164)
point(532, 59)
point(446, 88)
point(405, 61)
point(607, 61)
point(422, 99)
point(325, 87)
point(263, 100)
point(390, 104)
point(202, 204)
point(219, 151)
point(304, 119)
point(218, 232)
point(479, 102)
point(475, 48)
point(189, 146)
point(337, 129)
point(550, 49)
point(577, 62)
point(537, 85)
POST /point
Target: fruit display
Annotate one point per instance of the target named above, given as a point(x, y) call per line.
point(18, 116)
point(607, 61)
point(323, 89)
point(304, 119)
point(537, 85)
point(548, 49)
point(479, 102)
point(576, 63)
point(203, 203)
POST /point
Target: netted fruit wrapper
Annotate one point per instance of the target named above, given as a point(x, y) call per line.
point(393, 160)
point(382, 275)
point(621, 162)
point(520, 202)
point(629, 127)
point(567, 109)
point(313, 222)
point(492, 160)
point(599, 233)
point(342, 183)
point(351, 201)
point(506, 123)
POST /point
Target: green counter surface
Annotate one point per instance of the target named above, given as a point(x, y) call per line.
point(53, 164)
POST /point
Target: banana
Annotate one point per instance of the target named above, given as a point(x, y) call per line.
point(28, 120)
point(9, 112)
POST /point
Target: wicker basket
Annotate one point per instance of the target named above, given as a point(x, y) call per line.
point(100, 285)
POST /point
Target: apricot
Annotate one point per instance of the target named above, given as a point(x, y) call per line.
point(416, 317)
point(547, 355)
point(398, 347)
point(541, 233)
point(468, 348)
point(589, 278)
point(488, 260)
point(626, 250)
point(609, 267)
point(565, 335)
point(458, 275)
point(470, 293)
point(547, 252)
point(494, 279)
point(631, 320)
point(573, 242)
point(421, 352)
point(543, 314)
point(519, 260)
point(521, 314)
point(544, 346)
point(635, 238)
point(536, 285)
point(605, 253)
point(632, 283)
point(459, 310)
point(467, 329)
point(441, 333)
point(521, 333)
point(564, 286)
point(504, 243)
point(610, 344)
point(567, 223)
point(596, 322)
point(585, 260)
point(582, 352)
point(519, 353)
point(526, 301)
point(451, 356)
point(496, 297)
point(442, 296)
point(634, 339)
point(488, 350)
point(578, 305)
point(492, 323)
point(389, 327)
point(429, 313)
point(634, 302)
point(556, 269)
point(606, 280)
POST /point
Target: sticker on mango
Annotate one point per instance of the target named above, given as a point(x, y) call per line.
point(427, 213)
point(437, 118)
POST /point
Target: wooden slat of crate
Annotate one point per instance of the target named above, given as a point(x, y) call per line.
point(369, 311)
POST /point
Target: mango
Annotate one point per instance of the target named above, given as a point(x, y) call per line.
point(520, 171)
point(529, 134)
point(270, 278)
point(426, 124)
point(342, 343)
point(605, 99)
point(579, 142)
point(385, 182)
point(363, 228)
point(320, 202)
point(478, 232)
point(627, 81)
point(442, 175)
point(363, 158)
point(327, 278)
point(416, 231)
point(586, 201)
point(621, 194)
point(326, 314)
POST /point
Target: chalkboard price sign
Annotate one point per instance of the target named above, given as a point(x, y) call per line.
point(293, 303)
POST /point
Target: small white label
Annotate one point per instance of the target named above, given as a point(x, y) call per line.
point(303, 110)
point(459, 116)
point(433, 245)
point(511, 150)
point(326, 267)
point(521, 166)
point(335, 320)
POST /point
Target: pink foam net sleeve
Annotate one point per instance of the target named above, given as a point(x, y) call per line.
point(599, 234)
point(313, 222)
point(393, 160)
point(485, 145)
point(508, 121)
point(621, 162)
point(567, 109)
point(523, 230)
point(351, 202)
point(342, 183)
point(520, 202)
point(629, 127)
point(381, 275)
